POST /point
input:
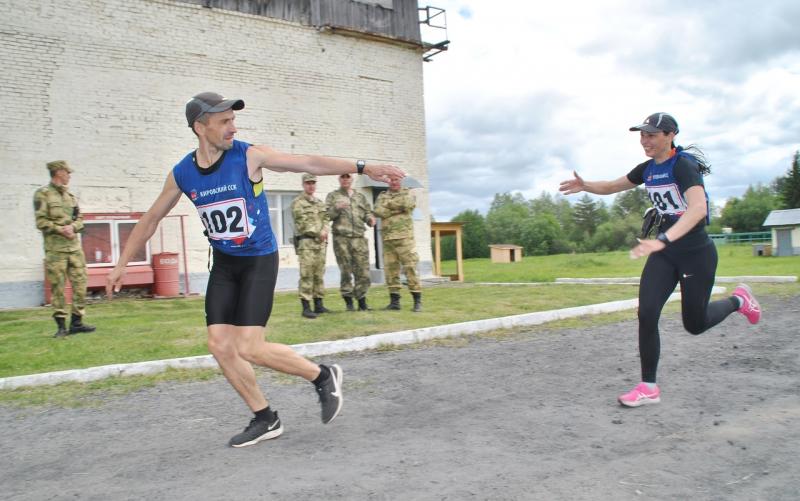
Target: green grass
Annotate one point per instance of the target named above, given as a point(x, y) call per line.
point(734, 260)
point(112, 389)
point(137, 330)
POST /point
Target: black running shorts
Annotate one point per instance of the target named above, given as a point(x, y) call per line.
point(240, 289)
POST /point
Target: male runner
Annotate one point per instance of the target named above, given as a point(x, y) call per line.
point(223, 178)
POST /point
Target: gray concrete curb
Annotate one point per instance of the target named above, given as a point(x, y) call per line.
point(719, 280)
point(360, 343)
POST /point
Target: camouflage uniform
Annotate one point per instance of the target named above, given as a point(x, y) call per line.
point(397, 231)
point(55, 207)
point(310, 218)
point(349, 244)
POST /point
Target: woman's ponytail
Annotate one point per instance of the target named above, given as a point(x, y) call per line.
point(699, 157)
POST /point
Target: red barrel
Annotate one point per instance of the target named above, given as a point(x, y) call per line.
point(165, 275)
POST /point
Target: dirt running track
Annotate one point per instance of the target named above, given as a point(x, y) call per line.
point(532, 416)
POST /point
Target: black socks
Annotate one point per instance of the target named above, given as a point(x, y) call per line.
point(265, 414)
point(324, 374)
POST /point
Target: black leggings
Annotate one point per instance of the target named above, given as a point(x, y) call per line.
point(240, 289)
point(694, 268)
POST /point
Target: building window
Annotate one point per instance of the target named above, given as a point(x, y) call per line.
point(386, 4)
point(280, 215)
point(103, 241)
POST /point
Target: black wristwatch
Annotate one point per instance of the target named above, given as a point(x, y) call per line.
point(360, 164)
point(662, 237)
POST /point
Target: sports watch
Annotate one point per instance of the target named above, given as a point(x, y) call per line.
point(360, 164)
point(662, 237)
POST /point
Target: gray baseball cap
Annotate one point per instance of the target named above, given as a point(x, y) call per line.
point(209, 102)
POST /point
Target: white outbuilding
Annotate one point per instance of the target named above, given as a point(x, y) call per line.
point(785, 227)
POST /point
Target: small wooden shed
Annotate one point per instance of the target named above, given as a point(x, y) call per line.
point(506, 253)
point(785, 227)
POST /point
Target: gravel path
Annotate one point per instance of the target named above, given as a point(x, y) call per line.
point(529, 416)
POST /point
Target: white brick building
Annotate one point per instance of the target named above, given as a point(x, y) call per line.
point(103, 83)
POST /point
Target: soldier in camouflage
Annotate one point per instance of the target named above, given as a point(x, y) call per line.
point(59, 219)
point(394, 207)
point(351, 215)
point(310, 243)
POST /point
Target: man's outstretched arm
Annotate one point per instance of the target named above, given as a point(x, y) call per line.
point(143, 230)
point(264, 157)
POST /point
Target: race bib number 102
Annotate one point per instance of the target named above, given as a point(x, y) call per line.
point(225, 220)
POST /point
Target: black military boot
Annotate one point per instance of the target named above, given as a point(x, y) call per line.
point(394, 301)
point(307, 309)
point(417, 302)
point(76, 325)
point(319, 307)
point(362, 304)
point(62, 327)
point(348, 301)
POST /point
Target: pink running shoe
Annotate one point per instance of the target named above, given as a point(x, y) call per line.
point(641, 395)
point(750, 307)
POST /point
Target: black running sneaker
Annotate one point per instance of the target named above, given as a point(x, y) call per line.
point(330, 394)
point(257, 431)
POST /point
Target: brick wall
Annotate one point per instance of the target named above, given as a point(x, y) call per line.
point(103, 84)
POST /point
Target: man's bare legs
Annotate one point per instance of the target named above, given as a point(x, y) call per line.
point(236, 348)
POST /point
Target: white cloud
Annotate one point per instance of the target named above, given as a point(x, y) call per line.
point(530, 91)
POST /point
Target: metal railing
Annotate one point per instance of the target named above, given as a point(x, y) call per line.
point(742, 238)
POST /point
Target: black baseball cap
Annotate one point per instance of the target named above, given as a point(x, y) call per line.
point(658, 122)
point(209, 102)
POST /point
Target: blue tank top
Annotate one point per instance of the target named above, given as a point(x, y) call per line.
point(233, 209)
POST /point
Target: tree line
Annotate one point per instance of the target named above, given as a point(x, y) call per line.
point(552, 225)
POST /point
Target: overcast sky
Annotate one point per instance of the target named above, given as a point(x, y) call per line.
point(530, 90)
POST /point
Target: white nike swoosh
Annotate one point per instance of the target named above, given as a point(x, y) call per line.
point(276, 423)
point(337, 383)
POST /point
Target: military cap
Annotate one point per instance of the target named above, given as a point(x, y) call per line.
point(58, 165)
point(309, 177)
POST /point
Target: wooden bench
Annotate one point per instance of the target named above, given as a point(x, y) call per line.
point(140, 275)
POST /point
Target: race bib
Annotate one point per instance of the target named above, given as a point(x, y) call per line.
point(226, 220)
point(667, 199)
